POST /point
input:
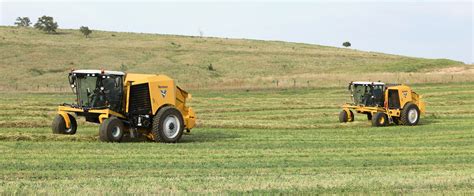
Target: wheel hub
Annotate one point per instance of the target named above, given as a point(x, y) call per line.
point(171, 126)
point(412, 115)
point(116, 131)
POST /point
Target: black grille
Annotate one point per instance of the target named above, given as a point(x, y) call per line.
point(139, 99)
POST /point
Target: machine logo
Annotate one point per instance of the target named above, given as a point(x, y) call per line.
point(405, 94)
point(163, 93)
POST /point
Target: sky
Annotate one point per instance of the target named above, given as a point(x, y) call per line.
point(428, 29)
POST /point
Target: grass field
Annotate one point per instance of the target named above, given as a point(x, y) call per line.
point(257, 141)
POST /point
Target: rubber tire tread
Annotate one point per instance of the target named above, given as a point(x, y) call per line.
point(105, 130)
point(376, 119)
point(404, 114)
point(59, 125)
point(157, 128)
point(343, 118)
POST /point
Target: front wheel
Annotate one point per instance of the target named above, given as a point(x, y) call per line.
point(59, 125)
point(168, 125)
point(380, 119)
point(111, 130)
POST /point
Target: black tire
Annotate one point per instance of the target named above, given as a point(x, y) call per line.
point(369, 116)
point(343, 116)
point(168, 125)
point(59, 125)
point(405, 117)
point(380, 119)
point(111, 130)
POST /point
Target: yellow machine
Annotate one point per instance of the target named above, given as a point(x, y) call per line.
point(383, 104)
point(122, 103)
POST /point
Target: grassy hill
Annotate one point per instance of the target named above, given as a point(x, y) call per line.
point(31, 59)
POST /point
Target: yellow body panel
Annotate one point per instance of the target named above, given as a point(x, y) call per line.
point(163, 92)
point(107, 112)
point(66, 118)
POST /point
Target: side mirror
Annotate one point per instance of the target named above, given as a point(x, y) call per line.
point(72, 79)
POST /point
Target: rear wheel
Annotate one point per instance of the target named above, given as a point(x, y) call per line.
point(59, 125)
point(410, 115)
point(168, 125)
point(111, 130)
point(380, 119)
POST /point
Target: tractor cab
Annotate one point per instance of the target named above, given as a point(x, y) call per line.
point(367, 93)
point(96, 89)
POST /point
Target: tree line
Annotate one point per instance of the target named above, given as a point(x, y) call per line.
point(47, 24)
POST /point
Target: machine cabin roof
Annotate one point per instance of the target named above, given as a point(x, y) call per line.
point(368, 83)
point(96, 71)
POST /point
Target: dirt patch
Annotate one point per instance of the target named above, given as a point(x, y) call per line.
point(460, 69)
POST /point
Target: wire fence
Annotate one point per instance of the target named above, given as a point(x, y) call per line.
point(324, 80)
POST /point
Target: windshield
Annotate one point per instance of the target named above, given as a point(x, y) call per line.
point(368, 95)
point(358, 92)
point(86, 86)
point(99, 91)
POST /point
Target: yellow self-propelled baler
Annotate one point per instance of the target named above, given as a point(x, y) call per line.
point(127, 103)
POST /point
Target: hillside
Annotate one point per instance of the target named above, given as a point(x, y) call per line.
point(32, 59)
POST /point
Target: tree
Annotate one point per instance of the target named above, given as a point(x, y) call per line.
point(47, 24)
point(22, 22)
point(85, 31)
point(346, 44)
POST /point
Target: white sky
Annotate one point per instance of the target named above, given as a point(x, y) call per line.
point(431, 29)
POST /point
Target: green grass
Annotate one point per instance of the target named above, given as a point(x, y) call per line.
point(42, 61)
point(257, 141)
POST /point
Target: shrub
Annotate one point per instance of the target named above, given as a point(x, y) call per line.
point(85, 31)
point(210, 67)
